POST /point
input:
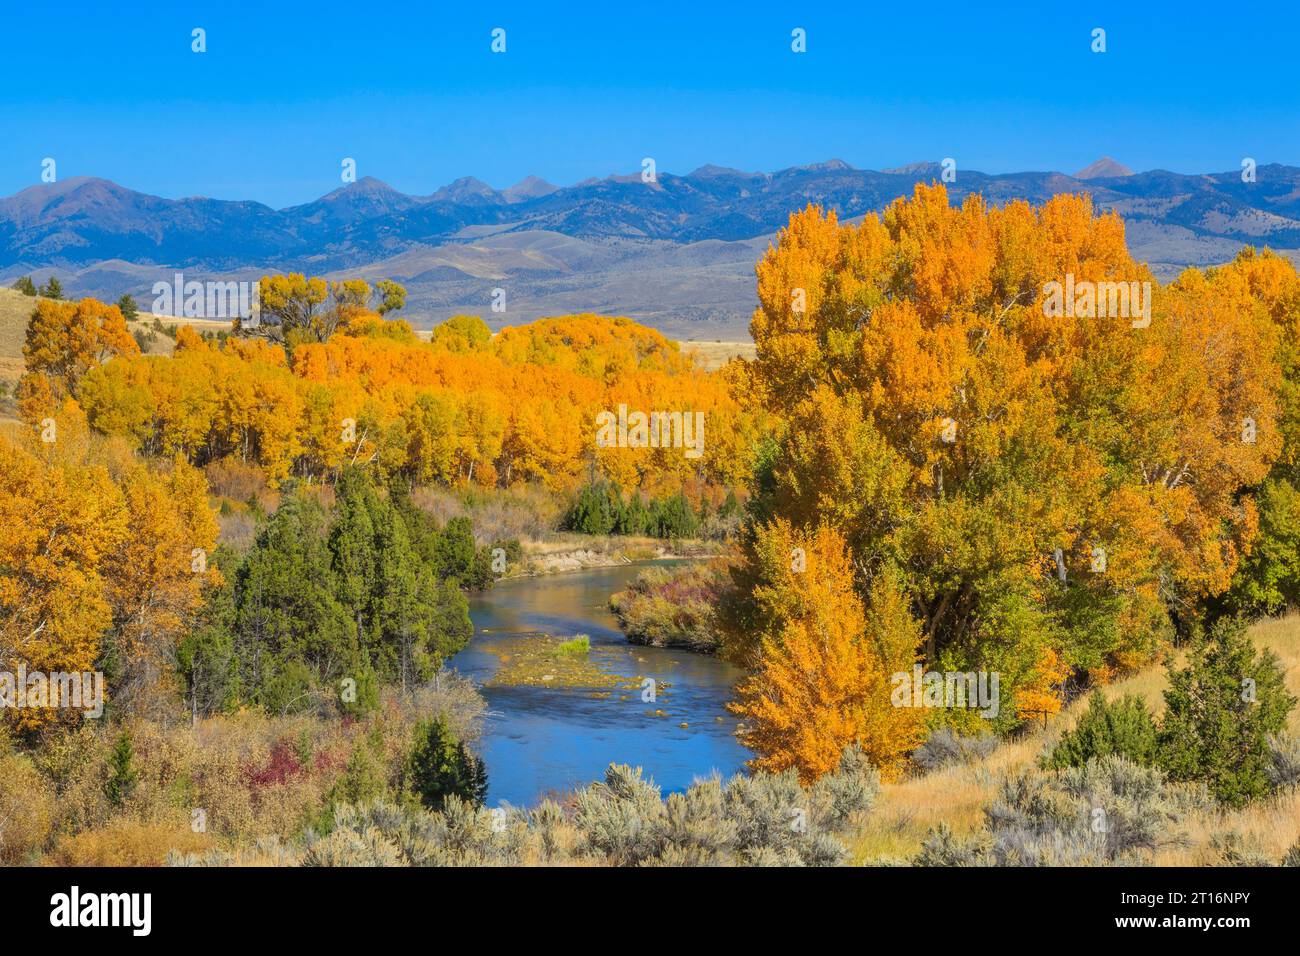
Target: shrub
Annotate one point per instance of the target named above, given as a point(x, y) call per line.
point(762, 820)
point(942, 847)
point(945, 747)
point(1235, 850)
point(351, 846)
point(1109, 811)
point(266, 851)
point(664, 608)
point(26, 809)
point(1124, 728)
point(128, 843)
point(1219, 713)
point(1284, 754)
point(618, 817)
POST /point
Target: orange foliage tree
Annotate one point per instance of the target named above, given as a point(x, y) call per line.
point(823, 679)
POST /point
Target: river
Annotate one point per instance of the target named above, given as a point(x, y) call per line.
point(546, 740)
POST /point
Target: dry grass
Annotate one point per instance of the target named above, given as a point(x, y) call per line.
point(714, 355)
point(15, 309)
point(956, 795)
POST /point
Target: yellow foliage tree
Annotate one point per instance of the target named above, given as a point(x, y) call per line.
point(823, 681)
point(65, 340)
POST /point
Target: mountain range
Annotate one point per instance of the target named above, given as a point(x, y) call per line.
point(677, 253)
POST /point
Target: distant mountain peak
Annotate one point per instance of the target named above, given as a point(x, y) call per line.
point(466, 187)
point(1104, 168)
point(365, 186)
point(831, 165)
point(712, 171)
point(530, 187)
point(911, 169)
point(618, 243)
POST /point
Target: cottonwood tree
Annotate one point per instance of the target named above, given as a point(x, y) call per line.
point(823, 678)
point(936, 414)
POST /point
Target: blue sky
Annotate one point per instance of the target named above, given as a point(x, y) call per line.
point(413, 92)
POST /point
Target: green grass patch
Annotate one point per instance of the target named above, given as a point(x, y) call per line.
point(578, 646)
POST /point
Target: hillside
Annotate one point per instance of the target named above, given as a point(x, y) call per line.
point(957, 794)
point(14, 310)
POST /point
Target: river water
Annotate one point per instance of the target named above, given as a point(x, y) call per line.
point(545, 740)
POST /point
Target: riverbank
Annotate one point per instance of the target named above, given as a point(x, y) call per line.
point(564, 552)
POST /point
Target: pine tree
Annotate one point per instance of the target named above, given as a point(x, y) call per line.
point(291, 632)
point(127, 306)
point(1125, 728)
point(1219, 713)
point(440, 766)
point(593, 510)
point(122, 774)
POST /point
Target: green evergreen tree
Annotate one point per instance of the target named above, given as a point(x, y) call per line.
point(291, 633)
point(674, 518)
point(1219, 713)
point(127, 306)
point(363, 777)
point(353, 556)
point(1125, 728)
point(408, 620)
point(634, 517)
point(456, 550)
point(53, 289)
point(327, 608)
point(25, 285)
point(122, 776)
point(440, 766)
point(593, 510)
point(358, 692)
